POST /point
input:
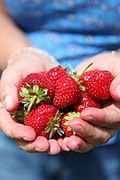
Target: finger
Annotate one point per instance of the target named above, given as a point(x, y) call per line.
point(40, 144)
point(63, 144)
point(54, 147)
point(108, 117)
point(77, 144)
point(8, 88)
point(115, 88)
point(13, 129)
point(91, 133)
point(96, 63)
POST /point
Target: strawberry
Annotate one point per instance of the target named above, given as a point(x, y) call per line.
point(65, 122)
point(86, 76)
point(55, 73)
point(84, 102)
point(98, 86)
point(45, 120)
point(67, 92)
point(34, 89)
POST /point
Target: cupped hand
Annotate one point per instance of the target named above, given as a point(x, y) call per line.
point(24, 136)
point(97, 126)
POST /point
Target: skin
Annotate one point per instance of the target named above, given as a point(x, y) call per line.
point(95, 126)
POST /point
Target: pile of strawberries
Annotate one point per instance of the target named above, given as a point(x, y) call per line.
point(49, 100)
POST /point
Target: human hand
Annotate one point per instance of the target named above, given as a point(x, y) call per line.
point(24, 136)
point(97, 126)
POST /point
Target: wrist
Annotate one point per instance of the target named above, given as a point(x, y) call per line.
point(33, 53)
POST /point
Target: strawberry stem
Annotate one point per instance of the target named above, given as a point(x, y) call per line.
point(32, 100)
point(87, 67)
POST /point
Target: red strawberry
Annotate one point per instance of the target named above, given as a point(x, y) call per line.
point(65, 122)
point(45, 120)
point(55, 73)
point(99, 84)
point(86, 76)
point(86, 101)
point(67, 92)
point(34, 89)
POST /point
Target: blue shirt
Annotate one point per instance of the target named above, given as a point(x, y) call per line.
point(69, 30)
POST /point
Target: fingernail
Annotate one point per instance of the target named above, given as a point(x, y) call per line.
point(41, 150)
point(27, 139)
point(38, 149)
point(8, 101)
point(79, 128)
point(117, 90)
point(89, 118)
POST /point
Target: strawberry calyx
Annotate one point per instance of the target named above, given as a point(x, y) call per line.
point(76, 77)
point(69, 117)
point(33, 96)
point(53, 125)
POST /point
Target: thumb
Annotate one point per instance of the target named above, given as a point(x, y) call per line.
point(115, 88)
point(8, 89)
